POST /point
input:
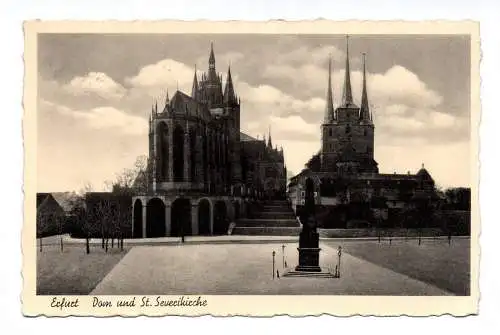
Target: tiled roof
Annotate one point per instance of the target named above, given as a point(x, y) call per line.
point(65, 200)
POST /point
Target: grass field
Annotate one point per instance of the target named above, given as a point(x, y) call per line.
point(72, 271)
point(434, 261)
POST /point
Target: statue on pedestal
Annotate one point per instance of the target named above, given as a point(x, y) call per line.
point(309, 237)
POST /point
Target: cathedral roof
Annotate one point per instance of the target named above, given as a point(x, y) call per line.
point(182, 103)
point(246, 138)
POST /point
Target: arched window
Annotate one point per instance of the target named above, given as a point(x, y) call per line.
point(178, 154)
point(330, 132)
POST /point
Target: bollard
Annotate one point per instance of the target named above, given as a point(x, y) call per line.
point(274, 254)
point(339, 253)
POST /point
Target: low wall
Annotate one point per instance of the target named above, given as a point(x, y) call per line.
point(371, 232)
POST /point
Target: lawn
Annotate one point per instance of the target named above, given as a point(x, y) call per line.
point(434, 261)
point(73, 272)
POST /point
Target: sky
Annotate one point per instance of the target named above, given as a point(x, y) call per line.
point(95, 94)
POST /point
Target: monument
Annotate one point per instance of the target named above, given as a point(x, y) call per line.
point(309, 237)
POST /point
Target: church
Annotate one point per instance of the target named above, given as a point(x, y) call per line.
point(344, 175)
point(201, 168)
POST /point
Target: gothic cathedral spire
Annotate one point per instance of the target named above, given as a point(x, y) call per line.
point(229, 95)
point(347, 94)
point(364, 110)
point(329, 111)
point(269, 141)
point(194, 90)
point(211, 60)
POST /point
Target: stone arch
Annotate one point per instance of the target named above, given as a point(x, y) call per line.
point(204, 216)
point(192, 154)
point(155, 218)
point(221, 223)
point(162, 143)
point(178, 153)
point(137, 233)
point(181, 217)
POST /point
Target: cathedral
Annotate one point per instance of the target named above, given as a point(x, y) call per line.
point(201, 168)
point(344, 171)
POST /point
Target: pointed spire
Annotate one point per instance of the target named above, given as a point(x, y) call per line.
point(329, 111)
point(194, 90)
point(167, 99)
point(229, 96)
point(364, 110)
point(269, 141)
point(347, 94)
point(211, 60)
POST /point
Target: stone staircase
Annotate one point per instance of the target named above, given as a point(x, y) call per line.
point(272, 218)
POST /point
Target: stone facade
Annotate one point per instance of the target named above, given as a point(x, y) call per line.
point(196, 153)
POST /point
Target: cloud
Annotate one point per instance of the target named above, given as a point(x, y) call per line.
point(165, 73)
point(95, 83)
point(103, 118)
point(400, 101)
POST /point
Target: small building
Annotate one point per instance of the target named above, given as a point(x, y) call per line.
point(49, 215)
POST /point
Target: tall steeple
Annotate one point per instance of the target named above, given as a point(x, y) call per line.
point(194, 90)
point(269, 141)
point(211, 59)
point(347, 94)
point(229, 95)
point(329, 111)
point(364, 110)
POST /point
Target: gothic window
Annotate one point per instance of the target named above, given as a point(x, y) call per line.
point(365, 132)
point(330, 132)
point(192, 154)
point(162, 151)
point(178, 147)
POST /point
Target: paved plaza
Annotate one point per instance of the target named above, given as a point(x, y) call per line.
point(220, 269)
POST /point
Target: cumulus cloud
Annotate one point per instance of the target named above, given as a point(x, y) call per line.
point(165, 73)
point(103, 118)
point(400, 101)
point(97, 83)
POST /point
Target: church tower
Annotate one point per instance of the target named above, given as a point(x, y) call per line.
point(209, 89)
point(348, 131)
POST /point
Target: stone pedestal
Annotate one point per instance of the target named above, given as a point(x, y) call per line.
point(308, 252)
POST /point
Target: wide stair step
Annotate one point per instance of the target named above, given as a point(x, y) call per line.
point(272, 218)
point(266, 231)
point(275, 215)
point(267, 223)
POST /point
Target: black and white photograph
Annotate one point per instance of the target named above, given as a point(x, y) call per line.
point(329, 164)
